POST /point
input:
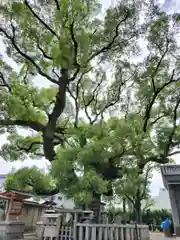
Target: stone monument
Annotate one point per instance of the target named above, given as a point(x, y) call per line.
point(171, 180)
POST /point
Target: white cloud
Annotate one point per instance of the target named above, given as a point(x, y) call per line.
point(171, 6)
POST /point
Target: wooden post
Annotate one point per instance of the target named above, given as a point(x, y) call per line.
point(10, 202)
point(75, 227)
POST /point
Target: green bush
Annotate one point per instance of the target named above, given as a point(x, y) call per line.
point(149, 216)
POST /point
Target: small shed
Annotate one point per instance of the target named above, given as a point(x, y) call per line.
point(14, 202)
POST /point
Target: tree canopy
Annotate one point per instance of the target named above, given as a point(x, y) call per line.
point(133, 187)
point(110, 92)
point(31, 180)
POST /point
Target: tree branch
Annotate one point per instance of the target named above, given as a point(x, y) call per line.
point(75, 44)
point(31, 124)
point(163, 157)
point(4, 83)
point(145, 181)
point(24, 55)
point(150, 105)
point(173, 153)
point(30, 147)
point(42, 51)
point(48, 134)
point(75, 97)
point(57, 4)
point(110, 44)
point(25, 76)
point(39, 19)
point(111, 103)
point(158, 118)
point(129, 198)
point(86, 105)
point(170, 138)
point(158, 66)
point(75, 74)
point(55, 73)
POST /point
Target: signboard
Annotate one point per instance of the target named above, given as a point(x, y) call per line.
point(16, 208)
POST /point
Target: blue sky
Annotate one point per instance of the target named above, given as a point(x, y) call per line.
point(167, 5)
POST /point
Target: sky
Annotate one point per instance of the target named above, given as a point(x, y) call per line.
point(6, 167)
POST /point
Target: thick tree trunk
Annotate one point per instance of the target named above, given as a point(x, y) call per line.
point(50, 128)
point(138, 214)
point(137, 207)
point(124, 210)
point(95, 206)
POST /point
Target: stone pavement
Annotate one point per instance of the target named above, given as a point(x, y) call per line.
point(153, 236)
point(160, 236)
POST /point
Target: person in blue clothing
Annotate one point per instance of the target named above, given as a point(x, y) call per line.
point(165, 224)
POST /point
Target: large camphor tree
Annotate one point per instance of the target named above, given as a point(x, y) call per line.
point(75, 69)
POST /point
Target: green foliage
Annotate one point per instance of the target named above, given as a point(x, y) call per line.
point(117, 140)
point(133, 181)
point(154, 217)
point(30, 179)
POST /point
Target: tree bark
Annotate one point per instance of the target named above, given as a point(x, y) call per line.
point(124, 210)
point(48, 134)
point(95, 206)
point(138, 214)
point(137, 207)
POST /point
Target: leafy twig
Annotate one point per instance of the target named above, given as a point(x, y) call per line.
point(24, 55)
point(110, 44)
point(75, 44)
point(155, 95)
point(39, 19)
point(4, 83)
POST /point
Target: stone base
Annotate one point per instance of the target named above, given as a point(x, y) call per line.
point(12, 230)
point(40, 230)
point(143, 232)
point(177, 231)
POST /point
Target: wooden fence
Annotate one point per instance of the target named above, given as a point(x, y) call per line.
point(86, 231)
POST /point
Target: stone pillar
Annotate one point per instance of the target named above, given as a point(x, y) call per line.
point(174, 195)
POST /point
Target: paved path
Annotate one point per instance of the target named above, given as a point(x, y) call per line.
point(160, 236)
point(153, 236)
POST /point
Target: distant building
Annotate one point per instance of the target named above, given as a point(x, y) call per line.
point(162, 201)
point(62, 201)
